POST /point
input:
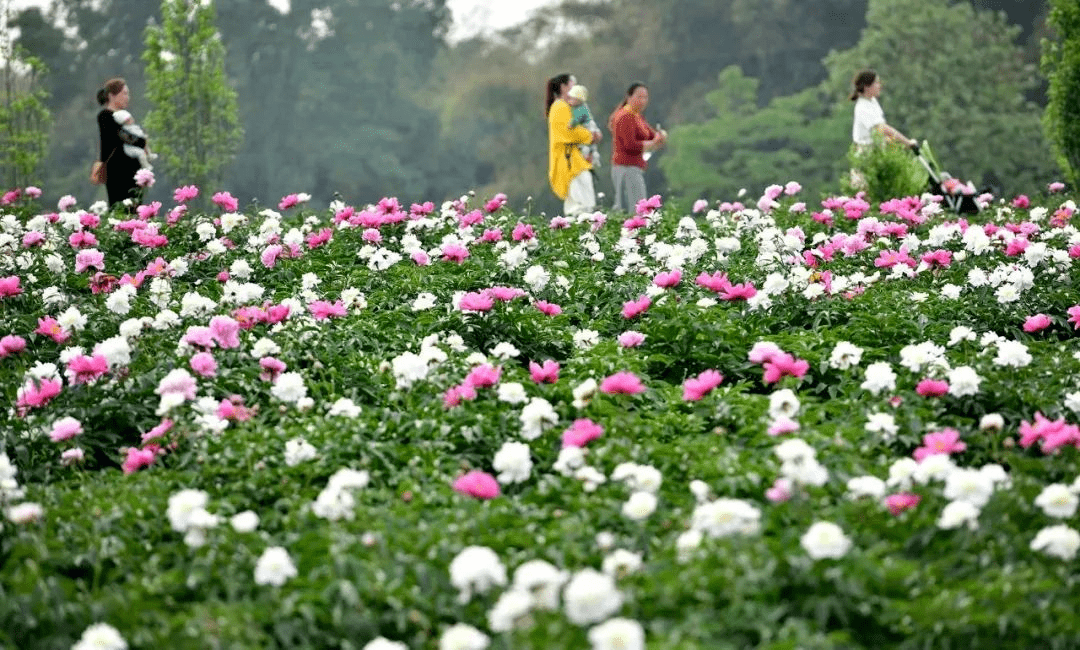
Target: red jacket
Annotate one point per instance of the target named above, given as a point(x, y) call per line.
point(629, 132)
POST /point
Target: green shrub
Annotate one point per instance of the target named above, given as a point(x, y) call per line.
point(888, 170)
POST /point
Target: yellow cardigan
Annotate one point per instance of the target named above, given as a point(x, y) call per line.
point(564, 158)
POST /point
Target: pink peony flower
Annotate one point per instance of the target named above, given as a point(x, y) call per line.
point(420, 258)
point(35, 394)
point(148, 211)
point(477, 484)
point(226, 331)
point(455, 253)
point(558, 223)
point(1016, 246)
point(177, 383)
point(89, 220)
point(667, 279)
point(470, 219)
point(82, 369)
point(65, 429)
point(157, 432)
point(716, 282)
point(483, 376)
point(476, 301)
point(204, 364)
point(784, 365)
point(33, 191)
point(548, 308)
point(48, 326)
point(136, 459)
point(33, 238)
point(792, 188)
point(372, 236)
point(1037, 323)
point(455, 394)
point(270, 255)
point(932, 387)
point(743, 291)
point(649, 205)
point(1021, 202)
point(699, 206)
point(199, 336)
point(636, 307)
point(316, 239)
point(322, 310)
point(698, 387)
point(523, 231)
point(11, 344)
point(71, 456)
point(631, 339)
point(946, 441)
point(763, 351)
point(498, 201)
point(1074, 316)
point(144, 178)
point(898, 503)
point(225, 201)
point(492, 235)
point(288, 201)
point(581, 433)
point(87, 259)
point(1056, 186)
point(271, 368)
point(9, 286)
point(185, 193)
point(780, 491)
point(547, 373)
point(504, 294)
point(782, 426)
point(65, 202)
point(622, 383)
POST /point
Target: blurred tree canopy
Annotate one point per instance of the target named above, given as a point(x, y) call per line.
point(366, 98)
point(952, 75)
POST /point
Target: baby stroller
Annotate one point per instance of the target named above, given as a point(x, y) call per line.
point(957, 195)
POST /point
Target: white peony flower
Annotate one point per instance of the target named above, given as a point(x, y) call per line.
point(100, 636)
point(244, 522)
point(274, 567)
point(639, 506)
point(25, 513)
point(883, 423)
point(512, 607)
point(866, 486)
point(1059, 541)
point(382, 643)
point(299, 450)
point(845, 355)
point(1013, 354)
point(959, 513)
point(535, 417)
point(617, 634)
point(289, 387)
point(542, 580)
point(511, 392)
point(1057, 500)
point(825, 540)
point(968, 485)
point(475, 570)
point(591, 596)
point(964, 381)
point(343, 407)
point(621, 563)
point(182, 507)
point(879, 377)
point(725, 517)
point(783, 403)
point(463, 637)
point(514, 463)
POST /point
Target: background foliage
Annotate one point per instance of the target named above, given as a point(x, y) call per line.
point(367, 97)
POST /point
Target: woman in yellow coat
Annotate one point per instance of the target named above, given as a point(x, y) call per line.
point(568, 171)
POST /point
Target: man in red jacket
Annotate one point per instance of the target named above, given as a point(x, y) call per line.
point(632, 138)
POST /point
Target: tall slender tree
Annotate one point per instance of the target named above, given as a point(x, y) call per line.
point(194, 123)
point(24, 117)
point(1061, 64)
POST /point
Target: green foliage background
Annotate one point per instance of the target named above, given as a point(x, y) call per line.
point(378, 101)
point(1061, 64)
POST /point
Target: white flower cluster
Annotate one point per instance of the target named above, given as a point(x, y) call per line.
point(187, 514)
point(798, 463)
point(514, 463)
point(475, 570)
point(335, 501)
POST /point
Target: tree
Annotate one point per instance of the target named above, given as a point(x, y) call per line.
point(799, 138)
point(952, 75)
point(24, 117)
point(1061, 65)
point(193, 124)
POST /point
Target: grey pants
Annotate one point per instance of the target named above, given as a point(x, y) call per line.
point(629, 186)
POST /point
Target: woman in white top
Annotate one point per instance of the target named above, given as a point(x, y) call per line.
point(869, 117)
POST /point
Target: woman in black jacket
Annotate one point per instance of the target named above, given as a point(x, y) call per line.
point(120, 169)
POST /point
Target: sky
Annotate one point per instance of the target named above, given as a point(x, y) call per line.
point(469, 16)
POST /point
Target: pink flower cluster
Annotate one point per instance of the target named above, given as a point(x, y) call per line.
point(946, 441)
point(1051, 434)
point(777, 363)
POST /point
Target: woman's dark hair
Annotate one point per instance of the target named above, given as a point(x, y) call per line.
point(863, 80)
point(629, 93)
point(553, 86)
point(111, 87)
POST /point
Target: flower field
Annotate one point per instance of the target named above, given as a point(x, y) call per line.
point(786, 424)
